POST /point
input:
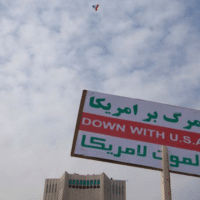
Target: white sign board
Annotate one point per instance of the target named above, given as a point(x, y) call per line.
point(131, 131)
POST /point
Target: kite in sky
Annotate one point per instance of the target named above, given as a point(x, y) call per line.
point(95, 7)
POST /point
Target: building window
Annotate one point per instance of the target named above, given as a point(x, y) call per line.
point(116, 189)
point(88, 183)
point(113, 188)
point(80, 184)
point(119, 189)
point(77, 183)
point(91, 183)
point(52, 187)
point(70, 183)
point(56, 187)
point(47, 188)
point(98, 183)
point(73, 183)
point(83, 184)
point(122, 190)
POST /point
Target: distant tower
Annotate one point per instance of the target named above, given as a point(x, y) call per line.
point(84, 187)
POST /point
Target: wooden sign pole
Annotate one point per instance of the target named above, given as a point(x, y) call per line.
point(165, 176)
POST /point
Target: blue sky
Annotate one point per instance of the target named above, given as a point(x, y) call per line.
point(52, 50)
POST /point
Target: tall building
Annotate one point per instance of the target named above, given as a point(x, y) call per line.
point(84, 187)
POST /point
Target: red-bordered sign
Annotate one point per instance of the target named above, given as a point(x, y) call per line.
point(131, 131)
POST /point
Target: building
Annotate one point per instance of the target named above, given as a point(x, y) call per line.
point(84, 187)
